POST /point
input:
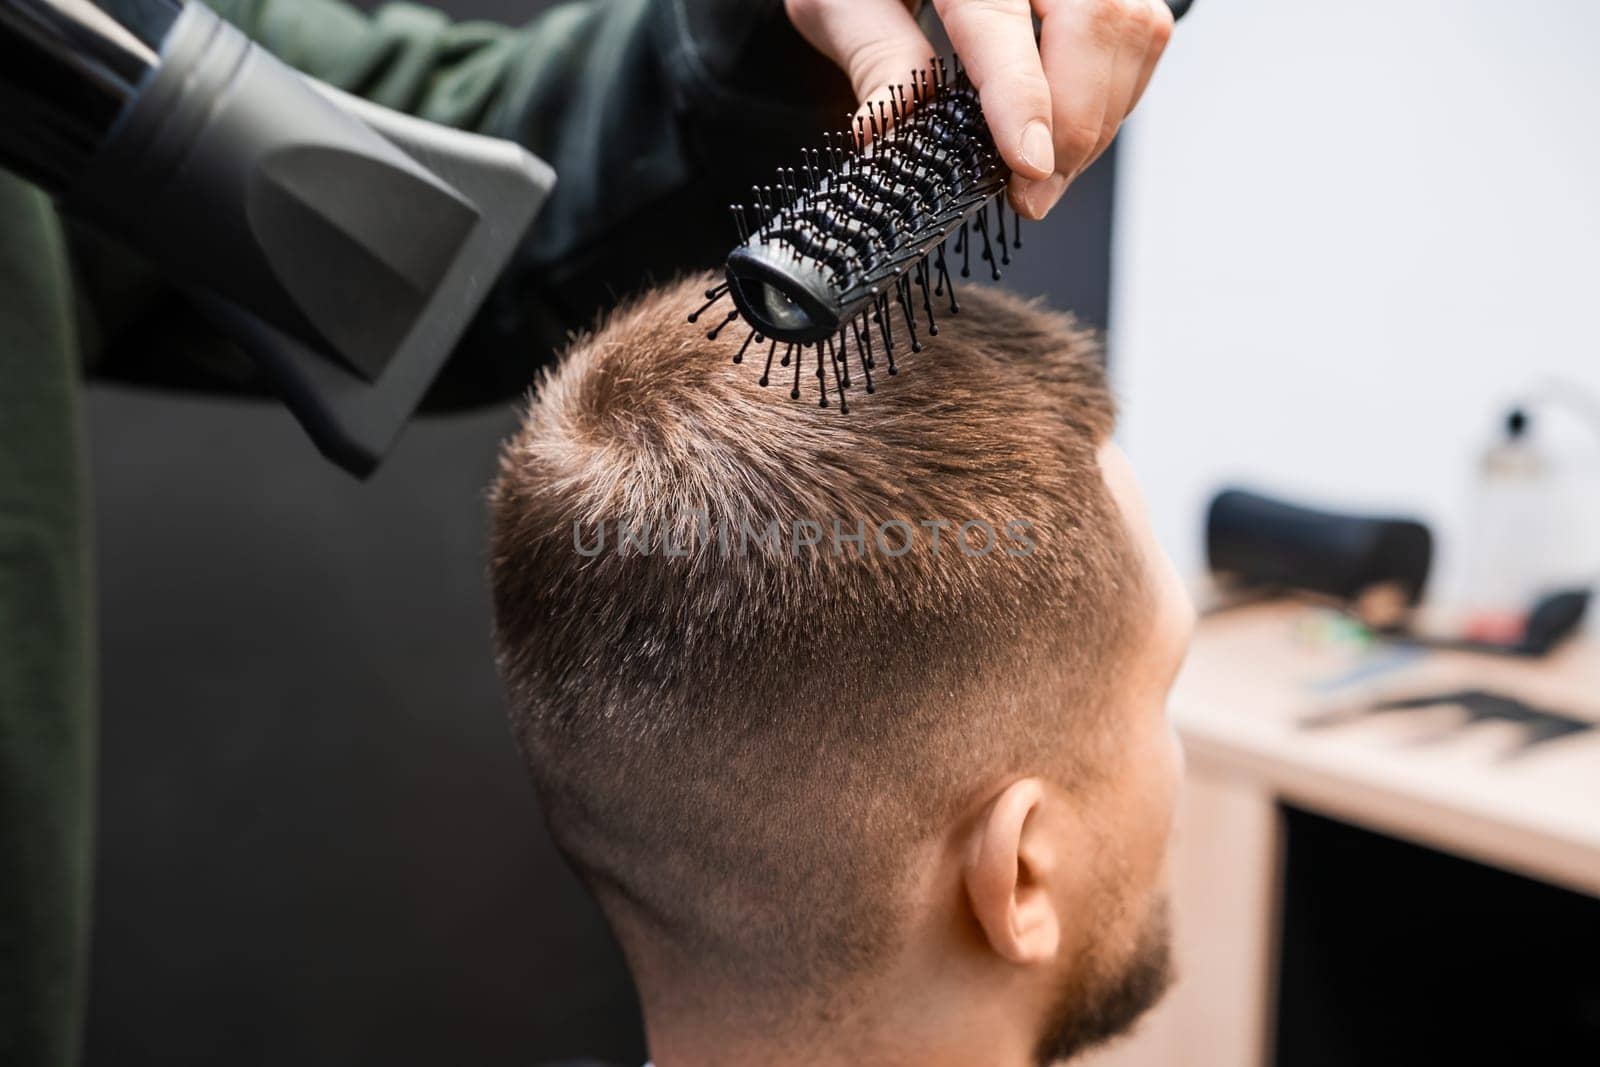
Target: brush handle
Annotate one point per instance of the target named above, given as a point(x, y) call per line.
point(1179, 8)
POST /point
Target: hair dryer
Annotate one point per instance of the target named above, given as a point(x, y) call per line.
point(344, 246)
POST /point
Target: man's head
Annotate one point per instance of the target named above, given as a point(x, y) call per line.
point(853, 723)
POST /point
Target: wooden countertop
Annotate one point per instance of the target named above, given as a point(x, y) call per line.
point(1255, 675)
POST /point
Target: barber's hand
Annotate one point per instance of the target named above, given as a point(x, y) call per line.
point(1053, 107)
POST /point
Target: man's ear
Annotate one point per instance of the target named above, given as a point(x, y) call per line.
point(1012, 863)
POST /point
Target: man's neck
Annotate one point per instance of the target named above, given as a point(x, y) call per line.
point(902, 1035)
point(708, 1051)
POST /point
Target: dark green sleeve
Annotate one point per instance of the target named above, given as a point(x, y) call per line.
point(47, 725)
point(655, 114)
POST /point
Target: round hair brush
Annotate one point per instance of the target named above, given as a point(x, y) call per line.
point(865, 230)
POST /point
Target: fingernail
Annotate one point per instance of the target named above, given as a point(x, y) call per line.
point(1043, 196)
point(1037, 151)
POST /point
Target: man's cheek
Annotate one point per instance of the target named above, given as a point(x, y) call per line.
point(1179, 772)
point(1179, 756)
point(1163, 795)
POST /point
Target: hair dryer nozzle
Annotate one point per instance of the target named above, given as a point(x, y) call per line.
point(344, 246)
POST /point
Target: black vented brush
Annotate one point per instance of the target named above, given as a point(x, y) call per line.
point(833, 250)
point(866, 229)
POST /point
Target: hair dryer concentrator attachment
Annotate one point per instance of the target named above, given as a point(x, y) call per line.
point(344, 246)
point(352, 418)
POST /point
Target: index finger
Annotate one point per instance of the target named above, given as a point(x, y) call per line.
point(877, 43)
point(994, 39)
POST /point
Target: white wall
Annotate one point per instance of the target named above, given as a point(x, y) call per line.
point(1346, 231)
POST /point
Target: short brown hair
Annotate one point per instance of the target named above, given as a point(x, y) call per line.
point(737, 743)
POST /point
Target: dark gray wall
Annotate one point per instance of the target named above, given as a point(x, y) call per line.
point(316, 843)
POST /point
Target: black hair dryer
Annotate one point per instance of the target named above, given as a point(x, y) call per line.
point(345, 247)
point(1261, 542)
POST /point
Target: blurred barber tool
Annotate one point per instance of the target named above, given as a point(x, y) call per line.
point(345, 247)
point(1532, 550)
point(833, 251)
point(1376, 566)
point(1373, 568)
point(1546, 622)
point(1537, 725)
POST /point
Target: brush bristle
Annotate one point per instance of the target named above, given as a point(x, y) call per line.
point(856, 236)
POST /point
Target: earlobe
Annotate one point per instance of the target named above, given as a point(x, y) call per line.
point(1010, 871)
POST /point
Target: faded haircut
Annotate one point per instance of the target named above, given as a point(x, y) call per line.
point(738, 739)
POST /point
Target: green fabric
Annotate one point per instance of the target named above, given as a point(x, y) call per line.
point(656, 114)
point(46, 725)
